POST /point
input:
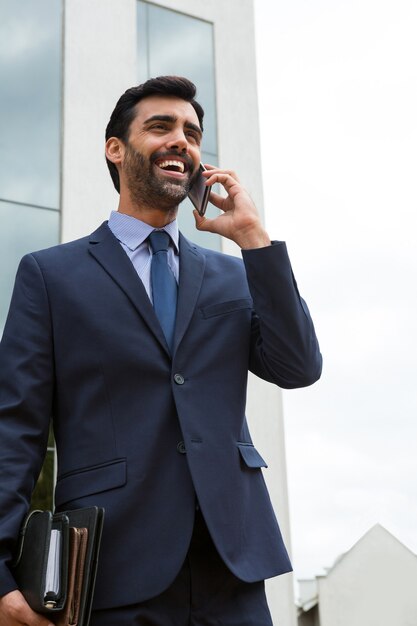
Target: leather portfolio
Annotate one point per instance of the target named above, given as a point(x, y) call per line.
point(56, 563)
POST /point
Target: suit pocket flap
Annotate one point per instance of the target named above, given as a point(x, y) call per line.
point(250, 455)
point(90, 480)
point(226, 307)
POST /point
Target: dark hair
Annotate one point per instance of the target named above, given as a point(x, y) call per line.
point(124, 111)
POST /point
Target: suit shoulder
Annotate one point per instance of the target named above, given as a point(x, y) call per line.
point(66, 250)
point(60, 248)
point(217, 258)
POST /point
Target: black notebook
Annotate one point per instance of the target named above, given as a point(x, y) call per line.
point(56, 563)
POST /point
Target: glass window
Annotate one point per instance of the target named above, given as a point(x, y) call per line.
point(30, 117)
point(30, 109)
point(25, 229)
point(174, 43)
point(165, 39)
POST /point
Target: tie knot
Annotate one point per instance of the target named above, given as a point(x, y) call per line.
point(159, 240)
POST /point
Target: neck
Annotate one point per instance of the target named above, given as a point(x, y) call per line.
point(156, 217)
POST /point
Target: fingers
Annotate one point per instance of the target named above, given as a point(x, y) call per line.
point(220, 176)
point(15, 611)
point(204, 223)
point(239, 220)
point(213, 168)
point(216, 199)
point(201, 222)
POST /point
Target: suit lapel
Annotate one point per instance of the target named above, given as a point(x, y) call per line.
point(105, 248)
point(192, 265)
point(107, 251)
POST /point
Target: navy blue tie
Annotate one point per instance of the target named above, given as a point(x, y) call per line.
point(164, 285)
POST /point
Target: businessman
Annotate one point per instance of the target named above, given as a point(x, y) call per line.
point(137, 344)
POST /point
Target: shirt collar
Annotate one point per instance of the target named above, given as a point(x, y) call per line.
point(132, 232)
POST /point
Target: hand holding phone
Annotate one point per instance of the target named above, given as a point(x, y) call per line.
point(199, 193)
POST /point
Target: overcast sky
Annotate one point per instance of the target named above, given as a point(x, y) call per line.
point(338, 107)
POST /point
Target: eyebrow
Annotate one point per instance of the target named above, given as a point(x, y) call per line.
point(172, 119)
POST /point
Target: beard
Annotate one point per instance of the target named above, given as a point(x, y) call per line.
point(145, 187)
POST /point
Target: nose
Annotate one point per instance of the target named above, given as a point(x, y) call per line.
point(177, 141)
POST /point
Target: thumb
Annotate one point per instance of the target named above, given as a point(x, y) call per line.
point(39, 620)
point(30, 618)
point(201, 222)
point(15, 607)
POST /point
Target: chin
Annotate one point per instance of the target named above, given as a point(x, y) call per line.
point(176, 191)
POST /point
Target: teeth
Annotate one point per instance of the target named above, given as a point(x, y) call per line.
point(179, 164)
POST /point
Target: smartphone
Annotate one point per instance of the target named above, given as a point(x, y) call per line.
point(199, 194)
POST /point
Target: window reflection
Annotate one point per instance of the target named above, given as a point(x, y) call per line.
point(30, 69)
point(172, 43)
point(24, 229)
point(182, 45)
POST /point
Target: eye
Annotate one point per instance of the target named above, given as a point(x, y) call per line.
point(193, 136)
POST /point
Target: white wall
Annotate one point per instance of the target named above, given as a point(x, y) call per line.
point(374, 584)
point(100, 63)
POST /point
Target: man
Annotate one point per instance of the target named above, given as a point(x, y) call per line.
point(148, 412)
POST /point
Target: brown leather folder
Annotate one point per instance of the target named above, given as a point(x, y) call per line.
point(69, 615)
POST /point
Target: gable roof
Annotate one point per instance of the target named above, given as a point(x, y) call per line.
point(376, 532)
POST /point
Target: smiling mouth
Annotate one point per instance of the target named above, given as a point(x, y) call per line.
point(172, 165)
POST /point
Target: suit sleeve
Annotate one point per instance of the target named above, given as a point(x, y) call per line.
point(284, 346)
point(26, 390)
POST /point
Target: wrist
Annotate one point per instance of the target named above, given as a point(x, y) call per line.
point(254, 238)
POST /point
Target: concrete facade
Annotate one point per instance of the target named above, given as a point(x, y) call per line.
point(373, 584)
point(99, 64)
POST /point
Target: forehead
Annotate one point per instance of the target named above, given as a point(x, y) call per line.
point(180, 109)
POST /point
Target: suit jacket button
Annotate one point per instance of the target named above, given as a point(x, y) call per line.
point(181, 447)
point(179, 379)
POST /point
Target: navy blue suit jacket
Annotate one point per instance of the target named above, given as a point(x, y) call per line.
point(138, 431)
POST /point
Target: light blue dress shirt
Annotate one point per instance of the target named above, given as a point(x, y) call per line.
point(132, 235)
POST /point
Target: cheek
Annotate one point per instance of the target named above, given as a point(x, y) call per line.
point(196, 157)
point(149, 146)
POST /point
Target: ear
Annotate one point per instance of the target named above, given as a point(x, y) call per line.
point(115, 150)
